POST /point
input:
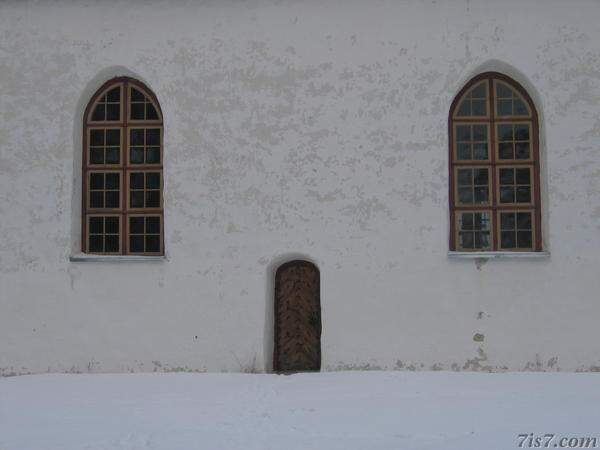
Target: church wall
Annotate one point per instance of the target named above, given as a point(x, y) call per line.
point(312, 130)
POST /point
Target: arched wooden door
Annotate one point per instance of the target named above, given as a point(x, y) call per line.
point(297, 318)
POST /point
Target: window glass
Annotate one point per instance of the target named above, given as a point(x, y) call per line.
point(112, 149)
point(494, 167)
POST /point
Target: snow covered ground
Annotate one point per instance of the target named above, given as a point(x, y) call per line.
point(340, 410)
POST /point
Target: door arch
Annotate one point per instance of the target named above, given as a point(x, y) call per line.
point(297, 308)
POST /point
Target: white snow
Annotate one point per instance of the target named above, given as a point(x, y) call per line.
point(336, 410)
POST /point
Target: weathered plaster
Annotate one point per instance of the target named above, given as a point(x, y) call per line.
point(293, 130)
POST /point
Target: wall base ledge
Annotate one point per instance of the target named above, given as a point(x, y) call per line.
point(85, 257)
point(498, 255)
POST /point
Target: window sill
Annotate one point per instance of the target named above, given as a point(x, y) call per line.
point(85, 257)
point(498, 255)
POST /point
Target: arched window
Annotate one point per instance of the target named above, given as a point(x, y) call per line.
point(122, 171)
point(494, 167)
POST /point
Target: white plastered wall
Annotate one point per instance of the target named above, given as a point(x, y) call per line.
point(296, 129)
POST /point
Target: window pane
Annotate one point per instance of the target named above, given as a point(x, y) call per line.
point(507, 239)
point(507, 221)
point(463, 133)
point(113, 137)
point(506, 176)
point(136, 137)
point(524, 239)
point(96, 225)
point(465, 240)
point(524, 221)
point(112, 155)
point(153, 243)
point(523, 194)
point(114, 95)
point(97, 181)
point(522, 132)
point(520, 108)
point(481, 221)
point(465, 195)
point(463, 151)
point(112, 199)
point(464, 177)
point(96, 244)
point(479, 133)
point(111, 243)
point(521, 150)
point(137, 199)
point(507, 194)
point(137, 96)
point(482, 239)
point(153, 225)
point(153, 155)
point(480, 176)
point(522, 175)
point(505, 132)
point(112, 225)
point(503, 91)
point(97, 137)
point(137, 111)
point(153, 180)
point(97, 156)
point(112, 180)
point(113, 111)
point(478, 107)
point(136, 225)
point(151, 113)
point(136, 155)
point(136, 243)
point(480, 151)
point(152, 199)
point(96, 200)
point(465, 221)
point(465, 108)
point(136, 180)
point(153, 136)
point(481, 195)
point(479, 91)
point(505, 107)
point(99, 112)
point(505, 150)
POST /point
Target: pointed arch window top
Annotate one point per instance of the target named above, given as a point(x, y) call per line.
point(475, 102)
point(509, 103)
point(108, 106)
point(111, 106)
point(141, 107)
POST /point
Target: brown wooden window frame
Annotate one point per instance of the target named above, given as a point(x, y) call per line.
point(494, 82)
point(125, 211)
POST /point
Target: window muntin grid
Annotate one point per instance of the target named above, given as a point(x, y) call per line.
point(473, 185)
point(475, 102)
point(122, 139)
point(512, 161)
point(144, 233)
point(473, 230)
point(517, 230)
point(104, 233)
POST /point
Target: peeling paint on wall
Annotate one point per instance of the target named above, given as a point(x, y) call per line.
point(293, 130)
